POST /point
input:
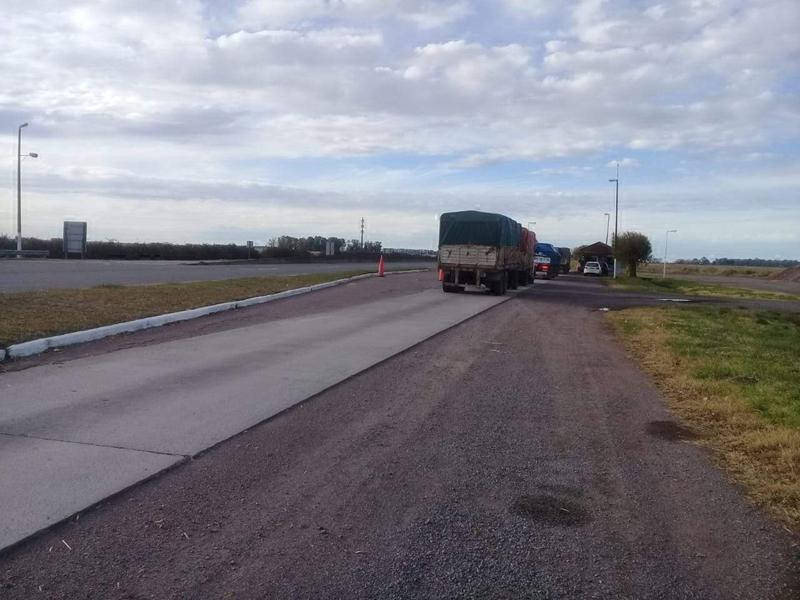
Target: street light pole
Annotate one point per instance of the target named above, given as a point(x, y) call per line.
point(19, 189)
point(666, 246)
point(616, 218)
point(19, 186)
point(608, 221)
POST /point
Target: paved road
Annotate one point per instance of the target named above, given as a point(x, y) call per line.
point(73, 433)
point(25, 275)
point(518, 454)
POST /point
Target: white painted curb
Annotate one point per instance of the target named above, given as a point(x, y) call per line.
point(33, 347)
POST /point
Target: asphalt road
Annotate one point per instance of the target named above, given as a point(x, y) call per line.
point(26, 275)
point(518, 454)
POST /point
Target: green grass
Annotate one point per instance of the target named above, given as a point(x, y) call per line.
point(30, 315)
point(756, 354)
point(693, 288)
point(734, 376)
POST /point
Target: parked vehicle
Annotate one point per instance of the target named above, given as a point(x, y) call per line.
point(547, 261)
point(592, 268)
point(566, 259)
point(485, 250)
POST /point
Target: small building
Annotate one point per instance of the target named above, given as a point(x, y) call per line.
point(598, 252)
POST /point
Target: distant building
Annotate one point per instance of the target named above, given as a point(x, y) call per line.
point(599, 252)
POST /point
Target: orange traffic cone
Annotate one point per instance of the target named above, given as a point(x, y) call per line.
point(441, 274)
point(380, 267)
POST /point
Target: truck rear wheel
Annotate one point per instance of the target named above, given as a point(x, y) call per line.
point(449, 288)
point(512, 280)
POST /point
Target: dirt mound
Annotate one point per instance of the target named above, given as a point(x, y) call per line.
point(790, 274)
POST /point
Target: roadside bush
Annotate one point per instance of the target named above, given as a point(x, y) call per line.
point(632, 248)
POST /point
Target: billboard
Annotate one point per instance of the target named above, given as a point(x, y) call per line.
point(74, 238)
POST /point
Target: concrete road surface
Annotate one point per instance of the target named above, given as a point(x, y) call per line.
point(25, 275)
point(520, 454)
point(73, 433)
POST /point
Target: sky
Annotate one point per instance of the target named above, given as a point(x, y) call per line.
point(227, 121)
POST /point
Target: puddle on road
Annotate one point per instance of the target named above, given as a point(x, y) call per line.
point(551, 510)
point(670, 431)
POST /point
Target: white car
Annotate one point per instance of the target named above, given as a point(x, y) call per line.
point(592, 268)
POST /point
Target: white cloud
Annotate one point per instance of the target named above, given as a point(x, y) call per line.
point(570, 171)
point(426, 14)
point(624, 162)
point(532, 8)
point(176, 91)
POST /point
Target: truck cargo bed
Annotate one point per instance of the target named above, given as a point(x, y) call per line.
point(470, 256)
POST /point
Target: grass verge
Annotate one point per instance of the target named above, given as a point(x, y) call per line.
point(694, 288)
point(30, 315)
point(727, 271)
point(733, 376)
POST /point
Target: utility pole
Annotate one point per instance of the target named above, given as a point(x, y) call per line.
point(616, 219)
point(666, 246)
point(362, 233)
point(608, 221)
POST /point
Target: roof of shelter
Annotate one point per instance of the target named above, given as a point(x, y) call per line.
point(597, 249)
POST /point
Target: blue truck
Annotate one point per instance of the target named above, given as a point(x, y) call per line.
point(546, 261)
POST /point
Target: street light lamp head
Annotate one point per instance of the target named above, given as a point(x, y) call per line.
point(23, 125)
point(613, 180)
point(33, 155)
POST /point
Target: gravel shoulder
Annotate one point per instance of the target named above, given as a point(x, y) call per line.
point(511, 456)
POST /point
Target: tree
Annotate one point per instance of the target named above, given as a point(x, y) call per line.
point(632, 248)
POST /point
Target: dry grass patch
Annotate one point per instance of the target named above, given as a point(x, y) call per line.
point(734, 377)
point(729, 271)
point(31, 315)
point(648, 283)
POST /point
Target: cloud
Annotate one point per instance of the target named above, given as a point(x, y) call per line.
point(426, 14)
point(569, 171)
point(623, 162)
point(170, 92)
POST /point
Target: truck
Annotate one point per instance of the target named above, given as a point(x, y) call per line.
point(485, 250)
point(566, 258)
point(547, 261)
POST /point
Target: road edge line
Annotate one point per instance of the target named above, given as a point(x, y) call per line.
point(40, 345)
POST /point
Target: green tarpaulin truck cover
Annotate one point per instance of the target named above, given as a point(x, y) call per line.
point(479, 228)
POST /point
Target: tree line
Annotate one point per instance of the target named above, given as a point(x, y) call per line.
point(317, 243)
point(739, 262)
point(283, 247)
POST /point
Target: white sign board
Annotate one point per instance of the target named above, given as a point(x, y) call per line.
point(74, 238)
